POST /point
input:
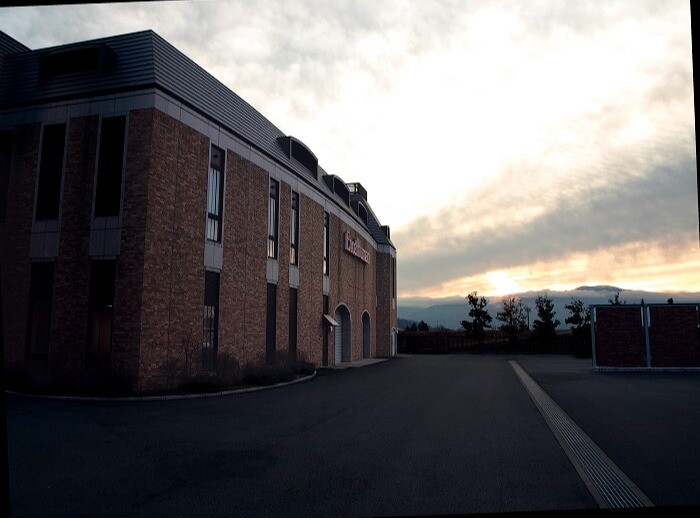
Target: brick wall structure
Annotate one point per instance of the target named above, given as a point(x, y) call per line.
point(160, 246)
point(173, 269)
point(15, 234)
point(159, 287)
point(243, 290)
point(619, 336)
point(386, 305)
point(310, 291)
point(674, 335)
point(282, 332)
point(353, 284)
point(128, 290)
point(673, 332)
point(69, 311)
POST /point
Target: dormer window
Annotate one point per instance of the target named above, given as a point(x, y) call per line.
point(294, 148)
point(362, 212)
point(341, 189)
point(86, 58)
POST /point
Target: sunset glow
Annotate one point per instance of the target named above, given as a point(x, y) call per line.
point(634, 266)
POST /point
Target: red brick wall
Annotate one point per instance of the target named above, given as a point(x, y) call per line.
point(69, 312)
point(15, 235)
point(386, 315)
point(159, 289)
point(353, 283)
point(673, 336)
point(243, 292)
point(173, 267)
point(128, 289)
point(283, 280)
point(619, 337)
point(310, 296)
point(393, 311)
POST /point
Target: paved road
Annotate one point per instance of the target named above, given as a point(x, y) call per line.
point(648, 424)
point(422, 435)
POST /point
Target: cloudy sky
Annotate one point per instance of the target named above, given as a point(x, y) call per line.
point(510, 145)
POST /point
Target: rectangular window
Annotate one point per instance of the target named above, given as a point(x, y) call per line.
point(215, 194)
point(211, 319)
point(50, 172)
point(271, 324)
point(393, 277)
point(326, 242)
point(100, 309)
point(6, 139)
point(273, 219)
point(293, 295)
point(39, 317)
point(294, 231)
point(108, 191)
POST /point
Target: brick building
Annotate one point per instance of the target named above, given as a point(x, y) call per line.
point(149, 217)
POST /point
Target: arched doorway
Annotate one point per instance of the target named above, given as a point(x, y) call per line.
point(366, 336)
point(343, 339)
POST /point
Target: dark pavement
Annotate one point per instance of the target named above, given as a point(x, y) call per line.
point(422, 435)
point(647, 423)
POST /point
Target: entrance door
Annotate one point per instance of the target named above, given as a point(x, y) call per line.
point(342, 335)
point(338, 343)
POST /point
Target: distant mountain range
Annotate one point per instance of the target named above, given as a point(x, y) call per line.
point(449, 312)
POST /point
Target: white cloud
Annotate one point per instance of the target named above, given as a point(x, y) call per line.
point(466, 121)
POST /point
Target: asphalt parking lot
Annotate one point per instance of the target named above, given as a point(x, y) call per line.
point(648, 423)
point(421, 435)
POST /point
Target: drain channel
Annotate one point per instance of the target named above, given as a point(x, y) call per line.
point(610, 487)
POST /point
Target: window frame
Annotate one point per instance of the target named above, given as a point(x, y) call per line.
point(104, 200)
point(273, 219)
point(326, 243)
point(215, 196)
point(46, 175)
point(210, 319)
point(294, 232)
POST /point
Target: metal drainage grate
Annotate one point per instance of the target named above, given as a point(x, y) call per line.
point(610, 487)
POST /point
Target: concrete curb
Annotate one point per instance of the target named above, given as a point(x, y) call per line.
point(645, 369)
point(357, 364)
point(168, 397)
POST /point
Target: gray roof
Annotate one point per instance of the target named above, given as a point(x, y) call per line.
point(145, 60)
point(9, 45)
